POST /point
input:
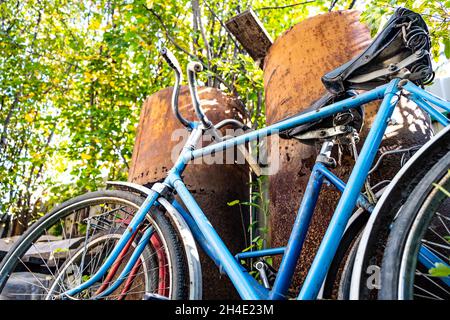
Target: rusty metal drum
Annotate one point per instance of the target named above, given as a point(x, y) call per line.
point(158, 140)
point(293, 69)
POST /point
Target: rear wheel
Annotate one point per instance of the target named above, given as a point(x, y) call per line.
point(68, 245)
point(419, 239)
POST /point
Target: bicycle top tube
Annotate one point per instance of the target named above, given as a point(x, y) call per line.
point(189, 153)
point(312, 116)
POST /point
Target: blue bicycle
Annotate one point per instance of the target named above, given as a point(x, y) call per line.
point(133, 242)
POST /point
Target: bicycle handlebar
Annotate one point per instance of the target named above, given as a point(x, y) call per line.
point(192, 69)
point(173, 63)
point(171, 60)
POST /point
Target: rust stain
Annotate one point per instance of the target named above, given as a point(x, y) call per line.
point(301, 56)
point(212, 185)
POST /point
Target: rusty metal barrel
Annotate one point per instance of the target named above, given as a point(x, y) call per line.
point(159, 139)
point(293, 69)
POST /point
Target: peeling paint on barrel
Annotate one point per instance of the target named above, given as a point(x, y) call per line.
point(293, 69)
point(213, 186)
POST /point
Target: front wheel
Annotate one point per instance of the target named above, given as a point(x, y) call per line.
point(68, 245)
point(419, 239)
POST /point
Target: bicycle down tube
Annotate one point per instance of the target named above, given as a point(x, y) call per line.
point(203, 231)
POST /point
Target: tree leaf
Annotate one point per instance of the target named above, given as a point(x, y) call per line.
point(85, 156)
point(233, 203)
point(440, 270)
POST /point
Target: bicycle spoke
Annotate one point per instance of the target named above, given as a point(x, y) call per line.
point(43, 260)
point(440, 236)
point(87, 237)
point(41, 286)
point(436, 244)
point(440, 215)
point(142, 272)
point(85, 245)
point(428, 277)
point(425, 297)
point(428, 292)
point(34, 276)
point(444, 257)
point(127, 255)
point(443, 223)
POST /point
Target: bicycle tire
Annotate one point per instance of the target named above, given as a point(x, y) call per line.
point(177, 256)
point(400, 257)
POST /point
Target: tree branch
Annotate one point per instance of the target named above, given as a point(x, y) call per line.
point(352, 4)
point(166, 31)
point(333, 3)
point(221, 23)
point(172, 40)
point(286, 6)
point(198, 22)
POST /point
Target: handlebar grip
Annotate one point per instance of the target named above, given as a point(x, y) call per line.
point(171, 60)
point(194, 66)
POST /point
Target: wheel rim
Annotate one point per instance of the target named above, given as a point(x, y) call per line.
point(53, 271)
point(414, 280)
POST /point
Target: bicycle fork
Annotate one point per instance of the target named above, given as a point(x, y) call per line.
point(139, 217)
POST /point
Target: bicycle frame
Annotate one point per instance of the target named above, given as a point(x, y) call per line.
point(207, 237)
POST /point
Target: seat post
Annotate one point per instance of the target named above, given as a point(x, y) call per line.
point(324, 155)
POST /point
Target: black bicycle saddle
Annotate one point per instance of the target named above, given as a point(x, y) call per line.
point(400, 50)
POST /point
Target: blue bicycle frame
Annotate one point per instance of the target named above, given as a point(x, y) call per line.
point(209, 240)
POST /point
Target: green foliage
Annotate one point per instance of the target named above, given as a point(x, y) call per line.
point(73, 75)
point(435, 13)
point(260, 203)
point(60, 250)
point(442, 189)
point(56, 230)
point(233, 203)
point(82, 228)
point(440, 270)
